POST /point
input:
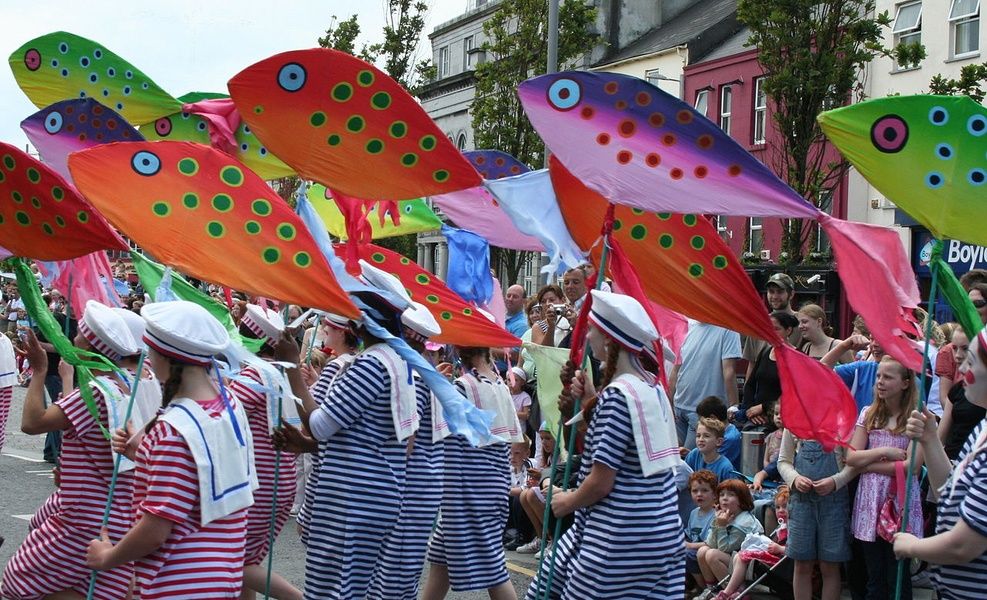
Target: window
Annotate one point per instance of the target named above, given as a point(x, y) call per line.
point(702, 102)
point(468, 43)
point(444, 62)
point(755, 235)
point(964, 27)
point(721, 227)
point(726, 100)
point(760, 111)
point(461, 142)
point(823, 245)
point(907, 28)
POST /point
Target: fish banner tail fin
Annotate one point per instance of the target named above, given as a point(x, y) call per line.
point(824, 410)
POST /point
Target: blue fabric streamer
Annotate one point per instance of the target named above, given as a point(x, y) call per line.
point(121, 287)
point(468, 273)
point(164, 293)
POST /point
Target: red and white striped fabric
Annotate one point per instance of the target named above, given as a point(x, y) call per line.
point(259, 515)
point(52, 558)
point(49, 508)
point(6, 393)
point(196, 562)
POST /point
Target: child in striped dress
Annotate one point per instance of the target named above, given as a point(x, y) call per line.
point(52, 558)
point(8, 379)
point(257, 392)
point(466, 551)
point(194, 477)
point(627, 540)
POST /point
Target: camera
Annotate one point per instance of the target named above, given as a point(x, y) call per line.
point(559, 309)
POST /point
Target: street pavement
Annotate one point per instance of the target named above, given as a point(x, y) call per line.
point(27, 481)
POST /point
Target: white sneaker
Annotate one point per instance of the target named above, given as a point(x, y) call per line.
point(538, 555)
point(529, 548)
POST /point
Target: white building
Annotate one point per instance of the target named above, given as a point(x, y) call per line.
point(951, 33)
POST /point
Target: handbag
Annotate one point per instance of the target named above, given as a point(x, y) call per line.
point(889, 519)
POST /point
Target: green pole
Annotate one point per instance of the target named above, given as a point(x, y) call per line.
point(571, 446)
point(274, 505)
point(933, 292)
point(116, 462)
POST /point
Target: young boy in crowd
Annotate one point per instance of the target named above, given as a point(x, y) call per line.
point(706, 454)
point(702, 487)
point(714, 406)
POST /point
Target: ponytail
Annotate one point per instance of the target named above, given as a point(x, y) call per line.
point(168, 391)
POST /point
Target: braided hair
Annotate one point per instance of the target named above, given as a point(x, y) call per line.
point(168, 391)
point(613, 353)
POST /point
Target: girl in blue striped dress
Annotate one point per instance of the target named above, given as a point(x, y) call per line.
point(466, 551)
point(626, 542)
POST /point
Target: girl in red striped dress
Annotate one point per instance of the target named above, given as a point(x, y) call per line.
point(51, 561)
point(194, 477)
point(256, 390)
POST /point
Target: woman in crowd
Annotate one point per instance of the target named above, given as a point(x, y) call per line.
point(816, 340)
point(960, 416)
point(763, 386)
point(626, 502)
point(959, 548)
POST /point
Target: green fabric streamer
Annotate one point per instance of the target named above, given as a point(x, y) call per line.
point(956, 297)
point(150, 274)
point(85, 362)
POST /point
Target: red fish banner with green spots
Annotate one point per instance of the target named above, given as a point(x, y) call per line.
point(42, 216)
point(461, 323)
point(344, 123)
point(199, 210)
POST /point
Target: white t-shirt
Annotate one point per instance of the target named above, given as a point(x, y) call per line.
point(703, 352)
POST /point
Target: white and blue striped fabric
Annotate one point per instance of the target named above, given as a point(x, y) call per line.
point(629, 545)
point(469, 535)
point(402, 555)
point(360, 485)
point(964, 497)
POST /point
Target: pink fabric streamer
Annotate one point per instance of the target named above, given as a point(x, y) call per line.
point(879, 284)
point(476, 209)
point(815, 404)
point(496, 306)
point(83, 275)
point(223, 119)
point(358, 230)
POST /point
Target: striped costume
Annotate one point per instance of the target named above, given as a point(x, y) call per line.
point(402, 555)
point(361, 480)
point(319, 391)
point(52, 558)
point(259, 515)
point(6, 394)
point(196, 561)
point(475, 486)
point(629, 545)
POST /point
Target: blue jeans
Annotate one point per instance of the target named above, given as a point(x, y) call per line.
point(685, 426)
point(882, 571)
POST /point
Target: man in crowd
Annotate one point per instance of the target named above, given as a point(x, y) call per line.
point(517, 322)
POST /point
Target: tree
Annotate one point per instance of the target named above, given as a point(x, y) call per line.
point(516, 50)
point(969, 82)
point(813, 53)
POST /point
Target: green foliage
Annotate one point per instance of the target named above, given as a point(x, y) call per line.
point(341, 35)
point(812, 53)
point(969, 83)
point(516, 50)
point(909, 55)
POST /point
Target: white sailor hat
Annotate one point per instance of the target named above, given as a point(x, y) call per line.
point(263, 322)
point(623, 319)
point(333, 320)
point(184, 331)
point(419, 322)
point(519, 372)
point(134, 323)
point(386, 282)
point(106, 331)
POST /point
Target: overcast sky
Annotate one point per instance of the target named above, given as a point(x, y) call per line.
point(185, 45)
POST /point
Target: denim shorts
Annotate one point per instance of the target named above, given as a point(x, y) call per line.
point(819, 526)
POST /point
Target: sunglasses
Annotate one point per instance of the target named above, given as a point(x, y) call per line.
point(979, 303)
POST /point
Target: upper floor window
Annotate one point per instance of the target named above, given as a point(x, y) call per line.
point(444, 67)
point(964, 27)
point(760, 111)
point(907, 27)
point(461, 142)
point(726, 102)
point(755, 234)
point(702, 102)
point(468, 55)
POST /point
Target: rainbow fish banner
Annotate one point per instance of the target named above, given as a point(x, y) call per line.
point(387, 219)
point(200, 211)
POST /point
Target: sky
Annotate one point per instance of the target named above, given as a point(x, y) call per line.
point(186, 45)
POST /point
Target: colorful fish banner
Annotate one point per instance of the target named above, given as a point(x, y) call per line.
point(89, 277)
point(637, 145)
point(924, 153)
point(342, 122)
point(461, 324)
point(200, 211)
point(386, 219)
point(72, 125)
point(60, 65)
point(42, 216)
point(495, 164)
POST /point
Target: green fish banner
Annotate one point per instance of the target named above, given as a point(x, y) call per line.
point(399, 218)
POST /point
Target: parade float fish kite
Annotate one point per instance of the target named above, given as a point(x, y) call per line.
point(626, 138)
point(461, 323)
point(42, 216)
point(343, 123)
point(60, 66)
point(494, 164)
point(72, 125)
point(925, 153)
point(387, 219)
point(200, 211)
